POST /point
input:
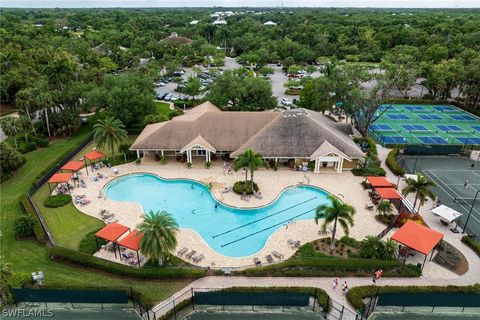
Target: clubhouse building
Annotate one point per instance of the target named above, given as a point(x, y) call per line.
point(296, 137)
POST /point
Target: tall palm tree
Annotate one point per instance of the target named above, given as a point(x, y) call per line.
point(421, 187)
point(251, 161)
point(59, 72)
point(44, 102)
point(10, 127)
point(337, 212)
point(159, 235)
point(25, 99)
point(110, 133)
point(384, 207)
point(23, 126)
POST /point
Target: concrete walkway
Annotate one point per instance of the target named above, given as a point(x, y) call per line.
point(433, 276)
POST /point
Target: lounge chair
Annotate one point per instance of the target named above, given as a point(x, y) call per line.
point(83, 184)
point(115, 170)
point(269, 258)
point(294, 243)
point(277, 254)
point(191, 254)
point(198, 258)
point(368, 207)
point(226, 190)
point(257, 261)
point(182, 251)
point(258, 195)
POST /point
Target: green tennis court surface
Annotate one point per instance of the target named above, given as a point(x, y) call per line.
point(72, 314)
point(449, 173)
point(402, 124)
point(252, 316)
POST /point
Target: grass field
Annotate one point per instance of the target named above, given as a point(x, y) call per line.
point(29, 255)
point(162, 108)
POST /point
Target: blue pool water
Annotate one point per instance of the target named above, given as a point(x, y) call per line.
point(193, 206)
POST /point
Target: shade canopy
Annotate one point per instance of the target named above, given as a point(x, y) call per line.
point(379, 182)
point(60, 177)
point(73, 166)
point(446, 213)
point(132, 240)
point(94, 155)
point(418, 237)
point(388, 193)
point(112, 231)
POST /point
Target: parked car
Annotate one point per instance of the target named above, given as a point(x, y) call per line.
point(286, 102)
point(175, 97)
point(168, 97)
point(161, 96)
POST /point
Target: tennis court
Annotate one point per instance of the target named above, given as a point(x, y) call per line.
point(449, 173)
point(425, 125)
point(208, 315)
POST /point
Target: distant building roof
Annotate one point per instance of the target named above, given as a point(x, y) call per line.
point(194, 22)
point(219, 22)
point(174, 37)
point(269, 23)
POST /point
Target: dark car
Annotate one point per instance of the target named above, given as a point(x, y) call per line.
point(161, 96)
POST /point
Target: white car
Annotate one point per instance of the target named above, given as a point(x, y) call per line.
point(286, 102)
point(162, 84)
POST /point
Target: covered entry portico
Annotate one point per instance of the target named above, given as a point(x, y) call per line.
point(198, 147)
point(328, 156)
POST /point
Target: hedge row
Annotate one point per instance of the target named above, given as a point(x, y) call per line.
point(369, 171)
point(392, 163)
point(416, 101)
point(58, 200)
point(356, 295)
point(474, 245)
point(329, 267)
point(40, 234)
point(89, 244)
point(86, 260)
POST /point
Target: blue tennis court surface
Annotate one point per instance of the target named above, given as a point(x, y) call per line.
point(398, 116)
point(379, 127)
point(414, 127)
point(433, 140)
point(469, 140)
point(476, 128)
point(414, 108)
point(449, 128)
point(399, 140)
point(462, 117)
point(444, 108)
point(429, 117)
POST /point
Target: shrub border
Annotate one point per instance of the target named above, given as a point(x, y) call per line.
point(474, 245)
point(38, 230)
point(392, 163)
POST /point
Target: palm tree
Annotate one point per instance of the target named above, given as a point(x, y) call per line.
point(10, 127)
point(59, 73)
point(421, 187)
point(110, 133)
point(23, 126)
point(26, 100)
point(251, 161)
point(384, 207)
point(44, 102)
point(159, 235)
point(371, 248)
point(389, 250)
point(337, 212)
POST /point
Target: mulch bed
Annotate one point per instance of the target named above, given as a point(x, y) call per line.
point(451, 258)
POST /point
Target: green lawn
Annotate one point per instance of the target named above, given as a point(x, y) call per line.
point(29, 255)
point(162, 108)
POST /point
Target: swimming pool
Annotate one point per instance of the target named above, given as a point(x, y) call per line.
point(230, 231)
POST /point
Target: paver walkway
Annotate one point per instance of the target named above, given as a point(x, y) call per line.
point(431, 276)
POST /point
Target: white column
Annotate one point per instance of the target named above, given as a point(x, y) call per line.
point(341, 165)
point(162, 152)
point(316, 165)
point(207, 155)
point(138, 154)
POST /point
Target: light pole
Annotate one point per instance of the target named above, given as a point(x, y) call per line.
point(470, 212)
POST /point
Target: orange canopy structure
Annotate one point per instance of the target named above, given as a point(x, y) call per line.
point(60, 178)
point(388, 193)
point(132, 240)
point(73, 166)
point(94, 155)
point(112, 231)
point(418, 237)
point(379, 182)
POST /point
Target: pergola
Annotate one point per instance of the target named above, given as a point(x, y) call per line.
point(92, 156)
point(419, 238)
point(379, 182)
point(112, 233)
point(132, 241)
point(388, 193)
point(59, 178)
point(73, 166)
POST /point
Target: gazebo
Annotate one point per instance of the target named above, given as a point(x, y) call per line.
point(72, 166)
point(419, 238)
point(112, 233)
point(132, 241)
point(58, 178)
point(388, 193)
point(92, 156)
point(379, 182)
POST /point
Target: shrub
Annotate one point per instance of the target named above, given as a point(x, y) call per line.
point(138, 161)
point(37, 229)
point(10, 160)
point(88, 261)
point(183, 104)
point(208, 164)
point(369, 171)
point(392, 163)
point(357, 295)
point(57, 201)
point(24, 225)
point(241, 187)
point(89, 243)
point(175, 113)
point(386, 219)
point(25, 147)
point(163, 159)
point(474, 245)
point(189, 165)
point(350, 242)
point(42, 142)
point(327, 267)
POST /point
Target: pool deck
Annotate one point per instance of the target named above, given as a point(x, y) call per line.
point(271, 183)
